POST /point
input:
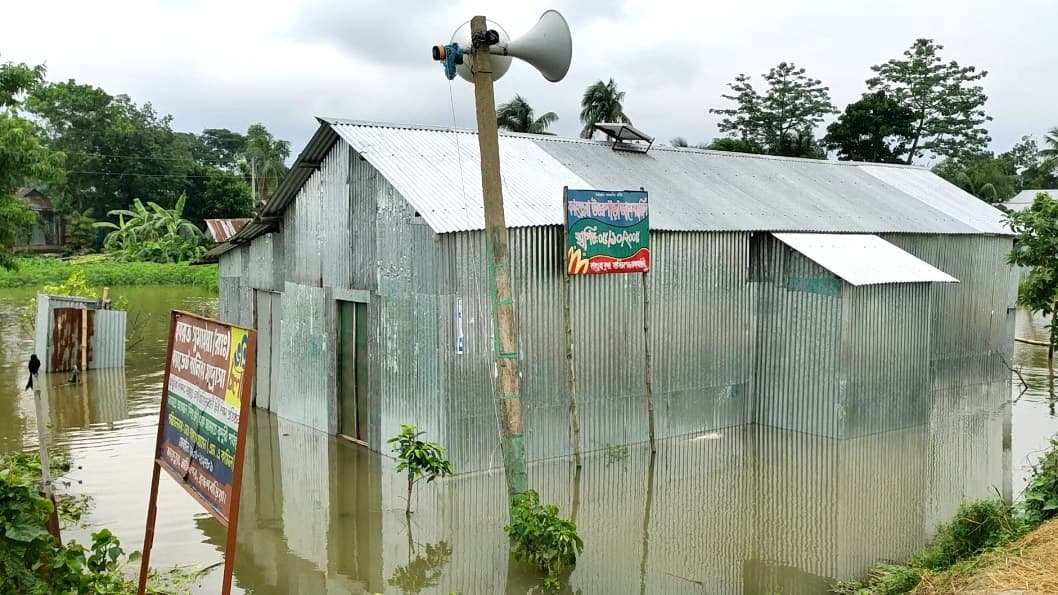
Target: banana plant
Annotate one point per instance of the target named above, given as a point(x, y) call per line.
point(153, 233)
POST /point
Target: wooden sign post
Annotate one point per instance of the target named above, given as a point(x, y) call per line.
point(202, 423)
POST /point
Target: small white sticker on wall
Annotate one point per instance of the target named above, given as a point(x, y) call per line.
point(460, 347)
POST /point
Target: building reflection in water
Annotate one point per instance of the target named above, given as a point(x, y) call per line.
point(744, 510)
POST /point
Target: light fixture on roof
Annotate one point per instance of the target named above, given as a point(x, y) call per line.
point(626, 137)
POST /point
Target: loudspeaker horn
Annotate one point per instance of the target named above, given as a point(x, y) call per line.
point(548, 46)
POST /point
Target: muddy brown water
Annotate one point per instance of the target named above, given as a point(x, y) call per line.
point(746, 510)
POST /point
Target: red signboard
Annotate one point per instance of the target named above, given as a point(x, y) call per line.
point(202, 421)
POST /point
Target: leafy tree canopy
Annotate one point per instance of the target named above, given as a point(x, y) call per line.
point(877, 128)
point(781, 118)
point(945, 98)
point(23, 157)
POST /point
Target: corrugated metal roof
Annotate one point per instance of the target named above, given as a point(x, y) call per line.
point(937, 193)
point(437, 171)
point(1023, 200)
point(863, 259)
point(223, 229)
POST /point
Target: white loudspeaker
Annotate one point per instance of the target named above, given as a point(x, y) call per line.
point(548, 46)
point(500, 63)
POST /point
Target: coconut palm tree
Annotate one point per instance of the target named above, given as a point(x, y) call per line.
point(267, 158)
point(517, 116)
point(601, 103)
point(1051, 140)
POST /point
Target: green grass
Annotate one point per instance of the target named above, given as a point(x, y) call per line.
point(101, 271)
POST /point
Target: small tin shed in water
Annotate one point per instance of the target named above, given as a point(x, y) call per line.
point(69, 330)
point(365, 274)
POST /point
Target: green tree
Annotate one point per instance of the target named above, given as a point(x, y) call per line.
point(947, 103)
point(517, 116)
point(23, 157)
point(877, 129)
point(989, 178)
point(1036, 247)
point(782, 118)
point(115, 150)
point(735, 145)
point(602, 102)
point(267, 157)
point(217, 194)
point(1030, 166)
point(1050, 138)
point(222, 147)
point(422, 460)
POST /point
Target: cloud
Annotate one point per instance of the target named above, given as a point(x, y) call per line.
point(233, 63)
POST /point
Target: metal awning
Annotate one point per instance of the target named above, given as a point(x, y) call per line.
point(863, 259)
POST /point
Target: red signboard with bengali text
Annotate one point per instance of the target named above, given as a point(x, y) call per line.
point(202, 421)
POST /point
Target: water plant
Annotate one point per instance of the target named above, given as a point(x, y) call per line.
point(422, 460)
point(541, 538)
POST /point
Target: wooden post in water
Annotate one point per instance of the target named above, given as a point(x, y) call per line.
point(84, 338)
point(508, 382)
point(648, 370)
point(571, 373)
point(45, 463)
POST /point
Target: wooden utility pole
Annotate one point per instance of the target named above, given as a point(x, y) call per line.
point(508, 383)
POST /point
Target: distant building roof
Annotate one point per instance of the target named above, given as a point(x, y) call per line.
point(1023, 200)
point(437, 171)
point(37, 201)
point(223, 229)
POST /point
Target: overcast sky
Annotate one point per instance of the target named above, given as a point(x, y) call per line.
point(230, 63)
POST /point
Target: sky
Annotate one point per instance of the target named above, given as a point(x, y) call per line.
point(231, 63)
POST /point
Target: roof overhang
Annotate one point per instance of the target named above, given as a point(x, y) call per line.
point(863, 259)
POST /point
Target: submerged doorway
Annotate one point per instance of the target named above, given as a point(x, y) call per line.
point(352, 370)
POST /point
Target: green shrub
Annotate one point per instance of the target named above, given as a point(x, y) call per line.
point(1041, 495)
point(977, 526)
point(33, 562)
point(541, 538)
point(883, 579)
point(103, 271)
point(422, 460)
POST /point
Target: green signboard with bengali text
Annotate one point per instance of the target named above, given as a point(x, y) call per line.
point(607, 231)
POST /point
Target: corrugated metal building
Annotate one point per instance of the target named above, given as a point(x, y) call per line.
point(814, 296)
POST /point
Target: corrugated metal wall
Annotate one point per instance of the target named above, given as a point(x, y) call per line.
point(971, 340)
point(306, 387)
point(106, 343)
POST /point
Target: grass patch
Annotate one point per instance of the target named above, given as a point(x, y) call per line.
point(102, 271)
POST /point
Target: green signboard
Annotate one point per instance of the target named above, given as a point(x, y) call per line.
point(607, 232)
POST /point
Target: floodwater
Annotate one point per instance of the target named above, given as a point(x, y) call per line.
point(746, 510)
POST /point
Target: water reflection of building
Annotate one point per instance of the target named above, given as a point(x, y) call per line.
point(310, 521)
point(99, 398)
point(743, 510)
